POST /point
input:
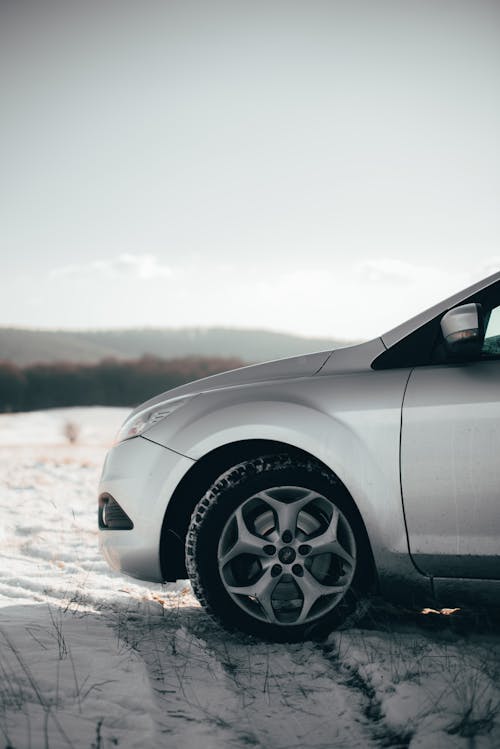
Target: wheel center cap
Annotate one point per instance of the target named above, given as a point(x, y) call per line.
point(287, 555)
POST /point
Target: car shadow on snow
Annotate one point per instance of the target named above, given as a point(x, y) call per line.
point(463, 621)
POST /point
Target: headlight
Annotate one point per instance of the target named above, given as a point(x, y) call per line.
point(146, 419)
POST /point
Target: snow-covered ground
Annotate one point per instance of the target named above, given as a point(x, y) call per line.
point(92, 659)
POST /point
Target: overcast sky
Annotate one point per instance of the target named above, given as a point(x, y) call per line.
point(323, 168)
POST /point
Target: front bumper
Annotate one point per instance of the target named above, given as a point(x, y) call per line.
point(142, 477)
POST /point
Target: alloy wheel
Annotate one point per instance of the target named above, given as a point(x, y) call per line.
point(287, 555)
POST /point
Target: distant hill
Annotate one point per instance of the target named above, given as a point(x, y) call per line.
point(24, 346)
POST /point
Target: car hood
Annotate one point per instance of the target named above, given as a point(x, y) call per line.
point(295, 366)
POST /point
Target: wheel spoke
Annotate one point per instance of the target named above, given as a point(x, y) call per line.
point(246, 542)
point(262, 590)
point(327, 542)
point(312, 590)
point(286, 513)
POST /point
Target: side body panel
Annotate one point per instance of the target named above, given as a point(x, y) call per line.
point(450, 469)
point(351, 422)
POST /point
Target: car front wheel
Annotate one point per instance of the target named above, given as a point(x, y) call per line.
point(274, 549)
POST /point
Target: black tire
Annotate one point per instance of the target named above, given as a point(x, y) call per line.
point(216, 518)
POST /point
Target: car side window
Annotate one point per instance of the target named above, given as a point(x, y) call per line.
point(491, 345)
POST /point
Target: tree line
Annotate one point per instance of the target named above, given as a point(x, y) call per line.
point(110, 382)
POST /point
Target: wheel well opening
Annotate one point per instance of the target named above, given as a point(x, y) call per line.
point(199, 479)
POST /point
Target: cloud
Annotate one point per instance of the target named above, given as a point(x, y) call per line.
point(393, 271)
point(397, 273)
point(144, 267)
point(356, 301)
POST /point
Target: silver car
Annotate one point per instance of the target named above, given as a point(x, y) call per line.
point(290, 490)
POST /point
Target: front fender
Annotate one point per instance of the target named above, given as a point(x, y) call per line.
point(351, 423)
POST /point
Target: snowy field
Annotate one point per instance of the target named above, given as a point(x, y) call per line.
point(92, 659)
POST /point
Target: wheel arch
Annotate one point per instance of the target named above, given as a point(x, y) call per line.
point(201, 476)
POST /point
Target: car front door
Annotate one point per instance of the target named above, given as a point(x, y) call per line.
point(450, 464)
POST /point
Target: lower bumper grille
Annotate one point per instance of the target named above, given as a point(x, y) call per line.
point(111, 516)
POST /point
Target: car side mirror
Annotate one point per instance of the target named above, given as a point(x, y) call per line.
point(463, 331)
